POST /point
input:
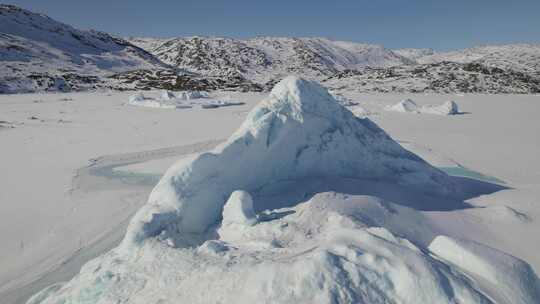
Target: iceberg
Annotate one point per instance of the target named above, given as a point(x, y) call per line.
point(409, 106)
point(180, 100)
point(448, 108)
point(298, 132)
point(404, 106)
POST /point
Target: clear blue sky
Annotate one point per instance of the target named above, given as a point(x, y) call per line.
point(437, 24)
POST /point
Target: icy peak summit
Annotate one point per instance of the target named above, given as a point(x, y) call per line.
point(298, 134)
point(296, 97)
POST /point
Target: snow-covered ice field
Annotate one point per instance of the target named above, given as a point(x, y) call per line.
point(75, 167)
point(47, 212)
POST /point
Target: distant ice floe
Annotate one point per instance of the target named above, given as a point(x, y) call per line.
point(180, 100)
point(409, 106)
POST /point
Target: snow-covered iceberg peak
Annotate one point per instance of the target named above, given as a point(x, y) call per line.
point(299, 132)
point(295, 98)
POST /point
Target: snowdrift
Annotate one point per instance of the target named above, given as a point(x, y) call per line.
point(220, 227)
point(409, 106)
point(180, 100)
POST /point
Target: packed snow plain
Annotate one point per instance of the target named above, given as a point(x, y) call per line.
point(68, 189)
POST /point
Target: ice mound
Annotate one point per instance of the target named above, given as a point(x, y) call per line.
point(239, 209)
point(167, 95)
point(181, 100)
point(188, 95)
point(320, 251)
point(409, 106)
point(136, 98)
point(142, 101)
point(183, 95)
point(298, 132)
point(404, 106)
point(238, 215)
point(447, 108)
point(151, 103)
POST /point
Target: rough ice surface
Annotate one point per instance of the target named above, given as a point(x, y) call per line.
point(512, 280)
point(320, 251)
point(310, 243)
point(409, 106)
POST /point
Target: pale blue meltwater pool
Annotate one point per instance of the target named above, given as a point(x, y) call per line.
point(147, 179)
point(464, 172)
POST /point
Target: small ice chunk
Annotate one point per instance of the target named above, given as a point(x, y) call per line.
point(136, 98)
point(239, 209)
point(408, 106)
point(448, 108)
point(189, 95)
point(404, 106)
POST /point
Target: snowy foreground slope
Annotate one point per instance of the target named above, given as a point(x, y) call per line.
point(328, 212)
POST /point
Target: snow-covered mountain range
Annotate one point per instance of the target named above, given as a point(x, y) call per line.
point(38, 53)
point(265, 59)
point(516, 57)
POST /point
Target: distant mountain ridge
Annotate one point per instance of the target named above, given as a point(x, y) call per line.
point(356, 66)
point(517, 57)
point(38, 53)
point(263, 59)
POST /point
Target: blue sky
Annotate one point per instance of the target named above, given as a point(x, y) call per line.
point(438, 24)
